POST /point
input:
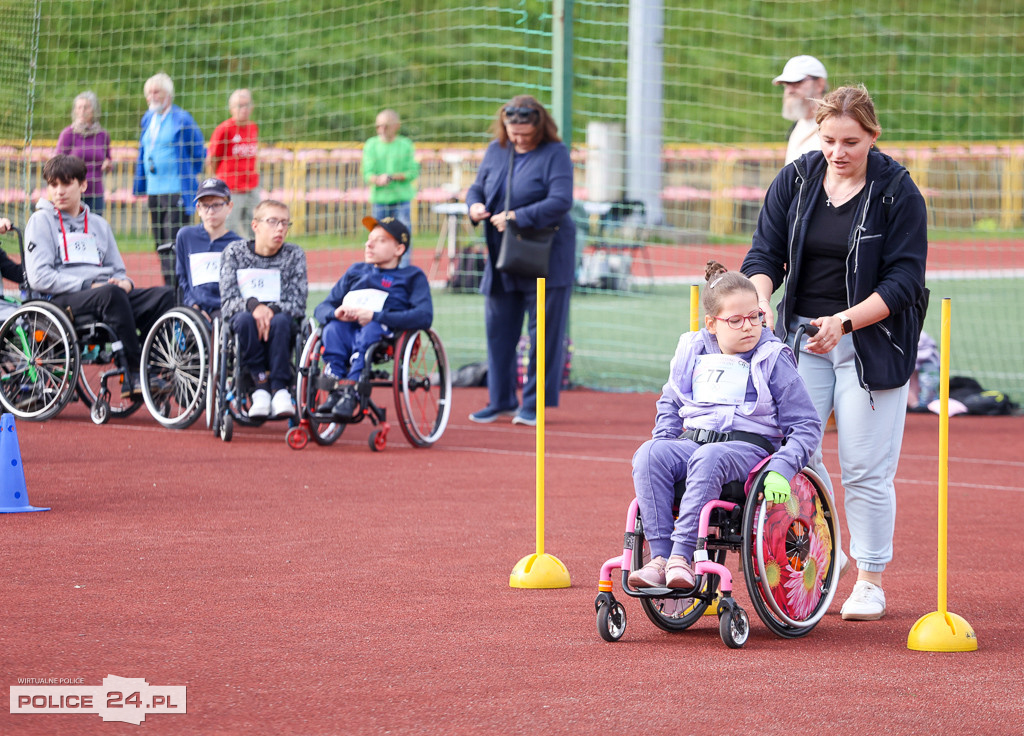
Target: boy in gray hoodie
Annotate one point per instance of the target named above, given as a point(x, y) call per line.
point(72, 260)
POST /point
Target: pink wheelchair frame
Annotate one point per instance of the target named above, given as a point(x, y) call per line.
point(787, 555)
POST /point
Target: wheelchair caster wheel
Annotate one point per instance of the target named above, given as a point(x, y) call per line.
point(734, 627)
point(100, 411)
point(611, 621)
point(378, 440)
point(227, 427)
point(297, 438)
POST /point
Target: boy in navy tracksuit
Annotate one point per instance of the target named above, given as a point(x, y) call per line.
point(372, 299)
point(197, 249)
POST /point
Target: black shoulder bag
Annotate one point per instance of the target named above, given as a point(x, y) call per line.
point(525, 251)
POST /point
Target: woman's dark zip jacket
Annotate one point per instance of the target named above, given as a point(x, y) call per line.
point(888, 248)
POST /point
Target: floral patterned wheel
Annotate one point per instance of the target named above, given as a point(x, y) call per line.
point(791, 549)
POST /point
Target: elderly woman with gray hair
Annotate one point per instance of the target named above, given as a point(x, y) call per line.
point(171, 157)
point(86, 139)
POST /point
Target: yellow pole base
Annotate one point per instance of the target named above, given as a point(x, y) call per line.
point(539, 571)
point(942, 632)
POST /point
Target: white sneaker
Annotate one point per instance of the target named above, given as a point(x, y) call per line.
point(282, 405)
point(866, 603)
point(260, 406)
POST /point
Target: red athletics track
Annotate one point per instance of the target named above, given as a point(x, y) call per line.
point(339, 591)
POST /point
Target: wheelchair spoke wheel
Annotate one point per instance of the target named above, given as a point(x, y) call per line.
point(175, 368)
point(213, 379)
point(422, 386)
point(38, 362)
point(790, 551)
point(100, 364)
point(672, 614)
point(311, 392)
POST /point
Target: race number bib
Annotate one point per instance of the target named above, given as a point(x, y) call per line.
point(204, 268)
point(372, 298)
point(720, 379)
point(81, 248)
point(262, 283)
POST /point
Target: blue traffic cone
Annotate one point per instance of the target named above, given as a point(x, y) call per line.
point(13, 494)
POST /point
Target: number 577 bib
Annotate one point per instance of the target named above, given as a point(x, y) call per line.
point(720, 379)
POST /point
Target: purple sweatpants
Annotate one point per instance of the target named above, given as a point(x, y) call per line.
point(660, 463)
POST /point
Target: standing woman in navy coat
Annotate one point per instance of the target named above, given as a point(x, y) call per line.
point(541, 197)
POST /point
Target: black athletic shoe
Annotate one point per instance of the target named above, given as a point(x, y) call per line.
point(346, 406)
point(330, 402)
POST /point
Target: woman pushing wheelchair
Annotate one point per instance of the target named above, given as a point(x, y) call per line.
point(733, 398)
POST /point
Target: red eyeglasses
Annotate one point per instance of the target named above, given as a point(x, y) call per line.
point(736, 321)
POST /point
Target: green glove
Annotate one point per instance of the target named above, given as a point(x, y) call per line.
point(776, 487)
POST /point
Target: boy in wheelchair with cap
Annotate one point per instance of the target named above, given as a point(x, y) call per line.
point(372, 300)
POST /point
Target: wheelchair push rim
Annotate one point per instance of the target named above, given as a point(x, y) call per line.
point(176, 355)
point(422, 386)
point(309, 395)
point(38, 362)
point(791, 550)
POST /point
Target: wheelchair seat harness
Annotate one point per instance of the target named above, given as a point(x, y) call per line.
point(707, 436)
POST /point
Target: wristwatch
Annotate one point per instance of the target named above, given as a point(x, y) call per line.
point(846, 323)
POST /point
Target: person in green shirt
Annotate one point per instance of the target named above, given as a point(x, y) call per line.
point(390, 168)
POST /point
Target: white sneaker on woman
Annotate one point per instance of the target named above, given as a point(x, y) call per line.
point(866, 603)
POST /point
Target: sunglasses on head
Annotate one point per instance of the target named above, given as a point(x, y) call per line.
point(520, 114)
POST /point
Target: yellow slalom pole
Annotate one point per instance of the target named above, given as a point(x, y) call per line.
point(942, 631)
point(542, 363)
point(694, 308)
point(540, 570)
point(711, 610)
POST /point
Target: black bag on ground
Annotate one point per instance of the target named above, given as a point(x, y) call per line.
point(474, 374)
point(977, 400)
point(525, 251)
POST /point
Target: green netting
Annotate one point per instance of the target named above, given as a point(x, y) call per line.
point(946, 78)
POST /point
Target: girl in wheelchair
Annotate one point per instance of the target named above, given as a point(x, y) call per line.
point(733, 398)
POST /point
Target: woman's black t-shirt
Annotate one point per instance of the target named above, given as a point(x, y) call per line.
point(822, 287)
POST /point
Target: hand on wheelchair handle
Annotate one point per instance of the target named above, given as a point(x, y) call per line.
point(776, 488)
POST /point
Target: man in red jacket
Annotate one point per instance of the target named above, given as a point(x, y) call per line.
point(232, 159)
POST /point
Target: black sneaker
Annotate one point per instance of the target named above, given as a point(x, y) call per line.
point(159, 386)
point(330, 402)
point(131, 385)
point(347, 405)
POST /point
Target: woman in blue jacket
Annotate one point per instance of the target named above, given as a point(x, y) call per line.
point(542, 180)
point(171, 156)
point(845, 231)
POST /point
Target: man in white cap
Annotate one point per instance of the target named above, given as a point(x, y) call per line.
point(804, 79)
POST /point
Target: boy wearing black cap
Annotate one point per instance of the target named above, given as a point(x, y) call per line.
point(198, 248)
point(372, 299)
